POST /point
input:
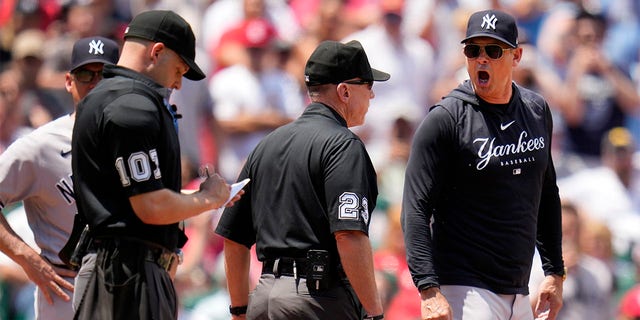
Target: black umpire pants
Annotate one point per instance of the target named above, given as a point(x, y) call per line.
point(125, 284)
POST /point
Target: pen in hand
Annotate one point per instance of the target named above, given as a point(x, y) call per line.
point(203, 172)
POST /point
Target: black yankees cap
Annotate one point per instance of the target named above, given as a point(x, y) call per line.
point(493, 24)
point(334, 62)
point(172, 30)
point(94, 49)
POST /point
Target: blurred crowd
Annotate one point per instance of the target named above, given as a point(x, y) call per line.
point(582, 55)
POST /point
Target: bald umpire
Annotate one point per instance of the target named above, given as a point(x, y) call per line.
point(308, 205)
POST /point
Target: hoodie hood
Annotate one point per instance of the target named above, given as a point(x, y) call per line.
point(465, 93)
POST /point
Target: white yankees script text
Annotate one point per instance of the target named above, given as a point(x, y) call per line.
point(488, 149)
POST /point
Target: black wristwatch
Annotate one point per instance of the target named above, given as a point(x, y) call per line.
point(378, 317)
point(237, 311)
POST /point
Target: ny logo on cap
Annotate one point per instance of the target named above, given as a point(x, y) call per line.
point(490, 21)
point(96, 47)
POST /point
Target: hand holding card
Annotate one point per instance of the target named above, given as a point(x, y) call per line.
point(235, 188)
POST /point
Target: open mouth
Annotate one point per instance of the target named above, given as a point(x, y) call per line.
point(483, 77)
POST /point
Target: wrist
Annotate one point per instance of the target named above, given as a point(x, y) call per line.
point(378, 317)
point(237, 311)
point(562, 275)
point(429, 285)
point(428, 289)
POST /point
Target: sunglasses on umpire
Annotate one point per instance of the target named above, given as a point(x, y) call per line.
point(493, 51)
point(87, 76)
point(360, 82)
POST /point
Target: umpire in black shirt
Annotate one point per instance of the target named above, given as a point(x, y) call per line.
point(309, 203)
point(126, 174)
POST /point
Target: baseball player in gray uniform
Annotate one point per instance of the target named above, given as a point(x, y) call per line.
point(36, 169)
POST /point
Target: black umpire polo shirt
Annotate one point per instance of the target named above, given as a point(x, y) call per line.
point(309, 179)
point(124, 143)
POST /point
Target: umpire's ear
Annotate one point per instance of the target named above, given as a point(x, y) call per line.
point(342, 90)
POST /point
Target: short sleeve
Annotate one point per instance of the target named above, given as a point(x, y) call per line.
point(132, 139)
point(17, 174)
point(350, 186)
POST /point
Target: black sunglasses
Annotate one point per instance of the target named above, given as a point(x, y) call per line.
point(493, 51)
point(87, 76)
point(367, 82)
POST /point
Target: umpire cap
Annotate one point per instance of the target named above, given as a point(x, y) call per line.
point(172, 30)
point(334, 62)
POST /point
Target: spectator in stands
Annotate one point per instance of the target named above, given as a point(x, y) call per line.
point(12, 121)
point(610, 192)
point(411, 60)
point(39, 105)
point(588, 289)
point(598, 95)
point(247, 112)
point(400, 300)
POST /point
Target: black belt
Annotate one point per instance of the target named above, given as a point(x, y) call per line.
point(64, 266)
point(152, 252)
point(61, 266)
point(285, 267)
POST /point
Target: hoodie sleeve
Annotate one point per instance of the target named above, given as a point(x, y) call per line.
point(549, 235)
point(432, 147)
